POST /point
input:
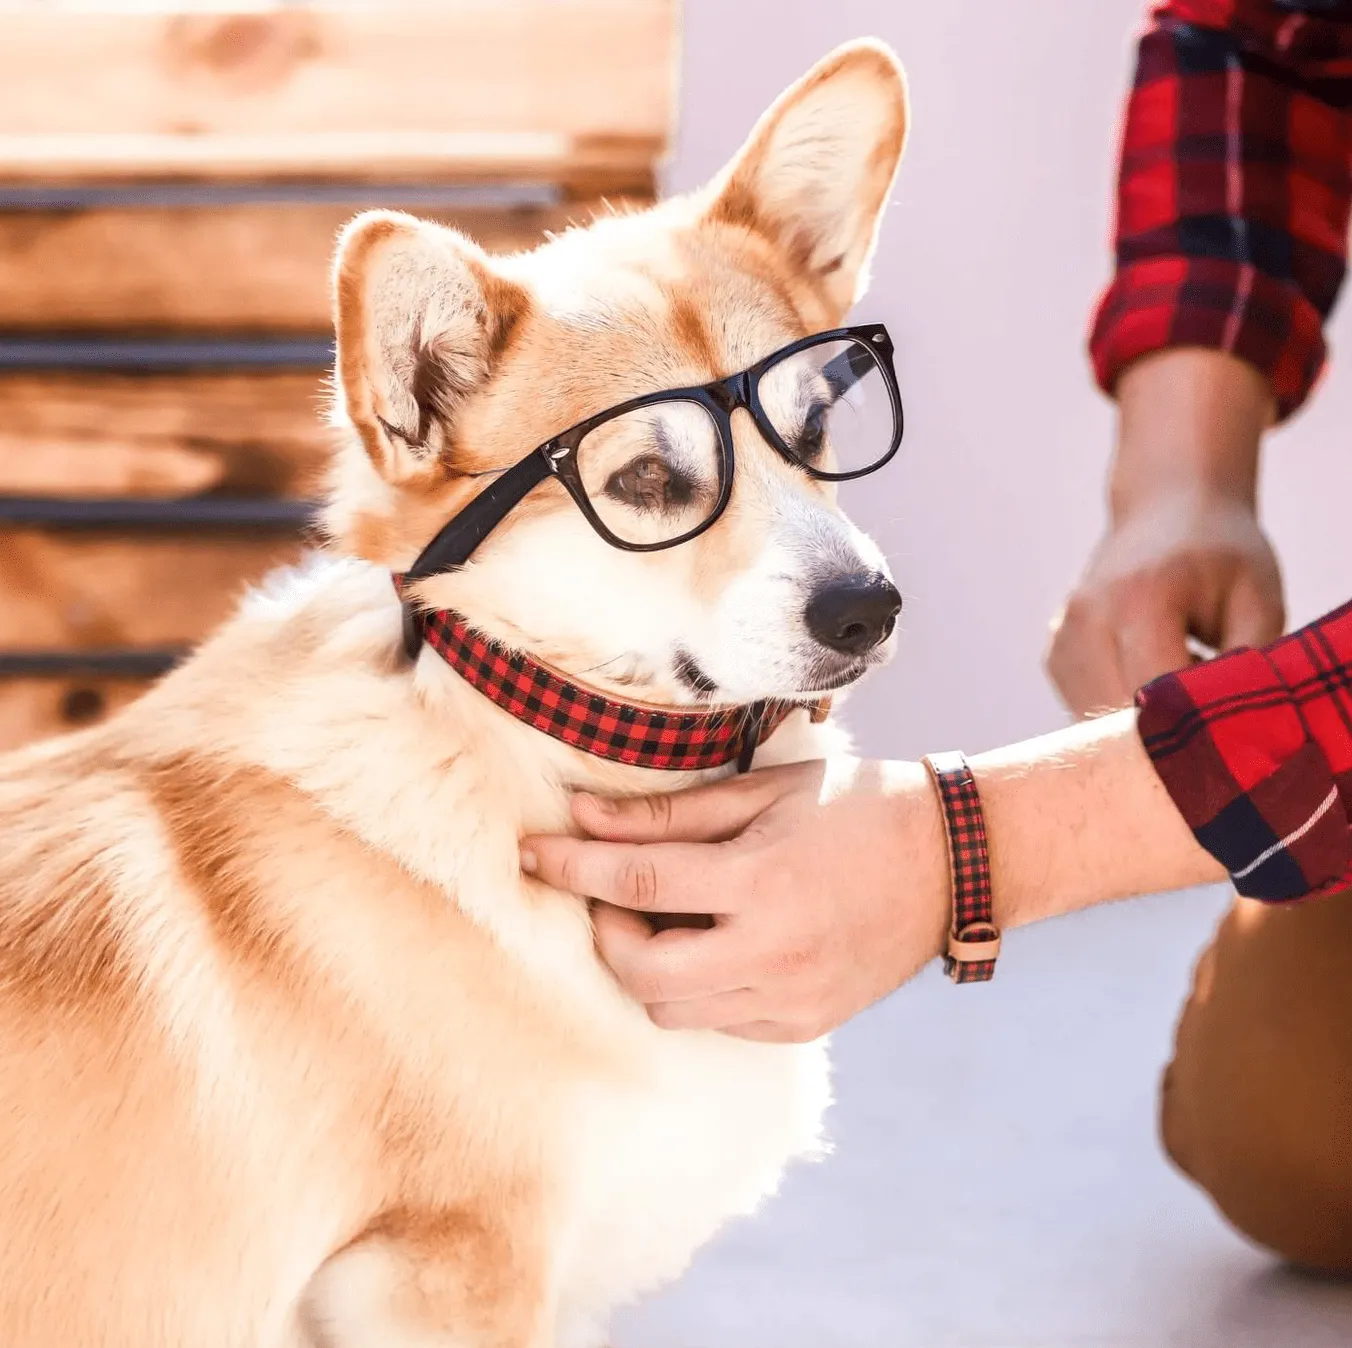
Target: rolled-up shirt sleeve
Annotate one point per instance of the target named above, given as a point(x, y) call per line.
point(1255, 748)
point(1234, 189)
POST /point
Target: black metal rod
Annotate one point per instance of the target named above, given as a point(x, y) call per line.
point(220, 513)
point(109, 662)
point(357, 196)
point(154, 354)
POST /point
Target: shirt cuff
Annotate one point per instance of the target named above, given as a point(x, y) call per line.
point(1233, 749)
point(1172, 301)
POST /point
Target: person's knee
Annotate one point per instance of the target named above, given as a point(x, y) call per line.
point(1277, 1194)
point(1257, 1105)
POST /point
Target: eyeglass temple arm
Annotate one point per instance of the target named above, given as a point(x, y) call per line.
point(462, 534)
point(848, 368)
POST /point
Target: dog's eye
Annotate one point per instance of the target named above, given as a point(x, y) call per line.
point(810, 441)
point(652, 484)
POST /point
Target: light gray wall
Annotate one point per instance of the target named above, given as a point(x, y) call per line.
point(990, 259)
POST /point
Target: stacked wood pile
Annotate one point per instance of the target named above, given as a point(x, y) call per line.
point(170, 188)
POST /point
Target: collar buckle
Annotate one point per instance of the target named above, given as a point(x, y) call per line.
point(751, 736)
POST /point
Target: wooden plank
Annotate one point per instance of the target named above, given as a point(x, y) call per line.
point(573, 68)
point(409, 156)
point(58, 466)
point(498, 86)
point(85, 434)
point(72, 591)
point(262, 266)
point(33, 709)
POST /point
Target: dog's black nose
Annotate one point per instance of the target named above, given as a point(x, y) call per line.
point(853, 614)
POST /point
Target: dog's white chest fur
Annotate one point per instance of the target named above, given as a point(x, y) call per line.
point(697, 1129)
point(704, 1135)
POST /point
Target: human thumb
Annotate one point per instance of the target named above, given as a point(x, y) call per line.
point(1254, 612)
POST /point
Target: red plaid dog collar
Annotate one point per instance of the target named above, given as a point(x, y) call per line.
point(670, 738)
point(973, 937)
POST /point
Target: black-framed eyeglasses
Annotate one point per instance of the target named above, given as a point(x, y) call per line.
point(657, 470)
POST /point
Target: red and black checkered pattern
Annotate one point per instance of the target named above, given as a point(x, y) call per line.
point(1255, 748)
point(1234, 188)
point(969, 864)
point(672, 739)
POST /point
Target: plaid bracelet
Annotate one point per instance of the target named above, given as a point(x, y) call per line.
point(973, 937)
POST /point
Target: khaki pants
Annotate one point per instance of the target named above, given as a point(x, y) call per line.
point(1257, 1104)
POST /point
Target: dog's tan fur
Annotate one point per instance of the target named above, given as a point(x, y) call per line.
point(290, 1052)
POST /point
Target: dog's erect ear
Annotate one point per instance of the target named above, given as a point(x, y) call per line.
point(818, 167)
point(420, 317)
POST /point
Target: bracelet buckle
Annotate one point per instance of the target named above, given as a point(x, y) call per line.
point(975, 943)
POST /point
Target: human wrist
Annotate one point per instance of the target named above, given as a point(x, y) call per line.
point(1079, 817)
point(1191, 422)
point(914, 818)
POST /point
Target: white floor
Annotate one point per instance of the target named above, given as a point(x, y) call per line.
point(996, 1181)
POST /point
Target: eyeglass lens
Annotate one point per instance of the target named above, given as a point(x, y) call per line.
point(831, 406)
point(653, 474)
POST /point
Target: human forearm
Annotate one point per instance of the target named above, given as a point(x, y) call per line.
point(1191, 419)
point(1080, 817)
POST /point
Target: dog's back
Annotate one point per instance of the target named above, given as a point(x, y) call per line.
point(142, 1132)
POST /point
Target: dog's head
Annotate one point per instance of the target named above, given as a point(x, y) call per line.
point(453, 364)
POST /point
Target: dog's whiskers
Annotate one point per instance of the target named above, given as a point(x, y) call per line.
point(610, 660)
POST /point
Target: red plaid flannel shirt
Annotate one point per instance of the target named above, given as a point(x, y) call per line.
point(1234, 188)
point(1233, 202)
point(1255, 748)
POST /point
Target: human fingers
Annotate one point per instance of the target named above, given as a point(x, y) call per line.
point(710, 813)
point(1152, 635)
point(715, 1012)
point(666, 967)
point(1254, 612)
point(648, 878)
point(1083, 661)
point(778, 1031)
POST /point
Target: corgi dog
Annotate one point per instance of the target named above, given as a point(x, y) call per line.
point(292, 1054)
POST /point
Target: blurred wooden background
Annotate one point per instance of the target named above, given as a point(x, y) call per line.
point(171, 182)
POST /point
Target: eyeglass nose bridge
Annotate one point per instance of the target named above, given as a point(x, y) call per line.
point(731, 393)
point(736, 392)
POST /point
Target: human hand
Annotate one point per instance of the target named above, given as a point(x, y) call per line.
point(1180, 566)
point(1184, 555)
point(827, 883)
